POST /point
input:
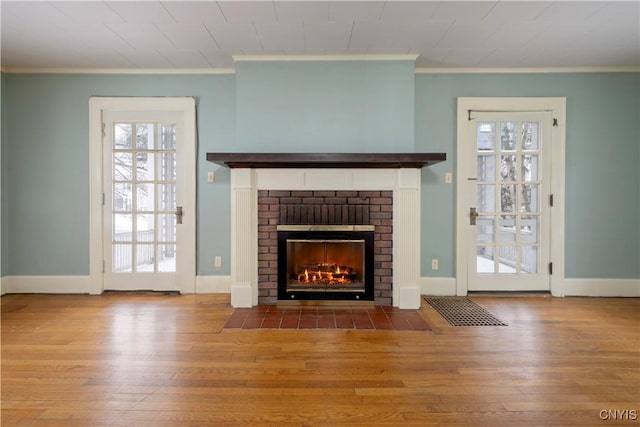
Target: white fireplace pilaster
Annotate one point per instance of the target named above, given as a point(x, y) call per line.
point(404, 182)
point(244, 238)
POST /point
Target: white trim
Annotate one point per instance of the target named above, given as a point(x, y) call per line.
point(542, 70)
point(404, 182)
point(19, 70)
point(602, 287)
point(439, 286)
point(292, 58)
point(213, 284)
point(298, 58)
point(185, 105)
point(557, 106)
point(47, 284)
point(3, 286)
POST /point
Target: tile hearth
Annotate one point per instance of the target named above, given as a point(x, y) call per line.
point(324, 317)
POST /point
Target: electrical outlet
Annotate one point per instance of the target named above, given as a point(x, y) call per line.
point(211, 177)
point(434, 264)
point(448, 178)
point(217, 262)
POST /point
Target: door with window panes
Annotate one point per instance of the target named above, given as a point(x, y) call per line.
point(509, 219)
point(142, 215)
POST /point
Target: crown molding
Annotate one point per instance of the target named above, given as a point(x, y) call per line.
point(302, 58)
point(19, 70)
point(531, 70)
point(257, 58)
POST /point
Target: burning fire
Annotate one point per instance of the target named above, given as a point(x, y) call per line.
point(326, 274)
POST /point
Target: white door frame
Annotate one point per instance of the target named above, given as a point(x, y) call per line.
point(557, 107)
point(185, 106)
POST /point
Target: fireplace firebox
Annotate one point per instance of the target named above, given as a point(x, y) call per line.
point(325, 262)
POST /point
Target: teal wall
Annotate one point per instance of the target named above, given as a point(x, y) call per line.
point(3, 183)
point(48, 164)
point(332, 106)
point(602, 190)
point(45, 158)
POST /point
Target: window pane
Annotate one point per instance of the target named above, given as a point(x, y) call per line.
point(145, 136)
point(508, 136)
point(121, 258)
point(122, 166)
point(486, 197)
point(486, 168)
point(486, 136)
point(145, 197)
point(508, 167)
point(167, 258)
point(529, 260)
point(507, 198)
point(485, 229)
point(145, 166)
point(529, 229)
point(145, 231)
point(122, 136)
point(507, 226)
point(485, 259)
point(530, 136)
point(529, 198)
point(167, 137)
point(122, 197)
point(122, 228)
point(144, 258)
point(167, 197)
point(167, 167)
point(530, 167)
point(166, 228)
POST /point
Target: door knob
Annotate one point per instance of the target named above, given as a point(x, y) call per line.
point(473, 214)
point(179, 214)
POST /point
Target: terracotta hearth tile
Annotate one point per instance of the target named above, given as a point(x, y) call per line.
point(274, 317)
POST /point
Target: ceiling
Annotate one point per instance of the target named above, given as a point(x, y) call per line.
point(207, 34)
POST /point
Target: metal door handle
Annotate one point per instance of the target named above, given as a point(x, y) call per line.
point(179, 214)
point(473, 214)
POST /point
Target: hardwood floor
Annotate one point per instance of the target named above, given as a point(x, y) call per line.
point(162, 360)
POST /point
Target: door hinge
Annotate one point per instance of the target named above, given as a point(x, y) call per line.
point(103, 198)
point(550, 268)
point(103, 266)
point(104, 132)
point(551, 200)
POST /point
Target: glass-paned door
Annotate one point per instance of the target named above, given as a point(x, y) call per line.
point(144, 197)
point(509, 218)
point(142, 214)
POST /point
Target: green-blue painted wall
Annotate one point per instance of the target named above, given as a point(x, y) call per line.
point(45, 156)
point(334, 106)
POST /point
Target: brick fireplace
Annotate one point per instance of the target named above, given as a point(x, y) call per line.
point(325, 207)
point(269, 187)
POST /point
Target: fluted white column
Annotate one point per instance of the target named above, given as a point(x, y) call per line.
point(244, 239)
point(406, 240)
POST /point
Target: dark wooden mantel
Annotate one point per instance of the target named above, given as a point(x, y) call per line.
point(326, 160)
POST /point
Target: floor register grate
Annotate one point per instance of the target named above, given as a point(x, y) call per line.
point(461, 311)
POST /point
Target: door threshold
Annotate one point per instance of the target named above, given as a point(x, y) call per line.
point(542, 294)
point(140, 292)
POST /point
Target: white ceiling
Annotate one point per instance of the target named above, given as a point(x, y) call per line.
point(205, 34)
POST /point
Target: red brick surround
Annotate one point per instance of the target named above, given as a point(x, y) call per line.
point(276, 207)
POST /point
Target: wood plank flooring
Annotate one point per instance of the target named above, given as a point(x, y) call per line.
point(165, 360)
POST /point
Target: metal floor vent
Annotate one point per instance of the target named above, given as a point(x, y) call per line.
point(461, 311)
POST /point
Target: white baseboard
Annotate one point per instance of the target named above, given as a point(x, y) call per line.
point(213, 284)
point(440, 286)
point(602, 287)
point(46, 284)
